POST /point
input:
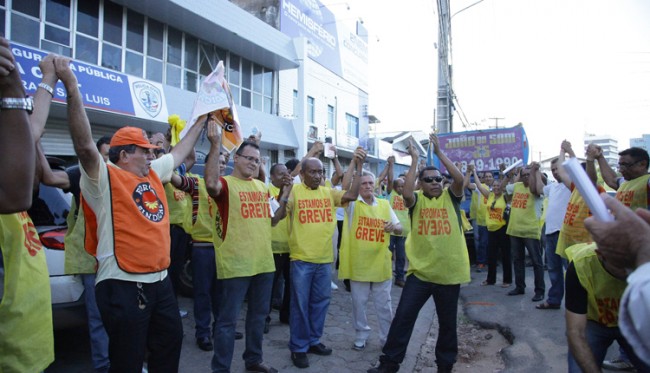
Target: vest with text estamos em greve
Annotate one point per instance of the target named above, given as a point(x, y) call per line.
point(364, 254)
point(140, 222)
point(245, 226)
point(604, 291)
point(573, 229)
point(402, 212)
point(436, 247)
point(524, 222)
point(496, 206)
point(26, 336)
point(634, 193)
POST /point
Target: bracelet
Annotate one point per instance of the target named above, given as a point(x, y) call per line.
point(46, 87)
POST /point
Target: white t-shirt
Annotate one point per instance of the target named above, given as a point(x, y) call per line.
point(634, 314)
point(558, 198)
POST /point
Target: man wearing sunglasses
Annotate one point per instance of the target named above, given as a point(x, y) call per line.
point(633, 187)
point(438, 261)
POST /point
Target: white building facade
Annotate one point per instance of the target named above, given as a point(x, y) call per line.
point(609, 146)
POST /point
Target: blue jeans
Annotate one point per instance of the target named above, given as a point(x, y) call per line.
point(310, 297)
point(482, 248)
point(98, 336)
point(599, 338)
point(397, 247)
point(232, 292)
point(517, 245)
point(204, 284)
point(555, 265)
point(415, 294)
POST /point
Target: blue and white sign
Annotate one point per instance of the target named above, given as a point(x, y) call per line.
point(331, 44)
point(101, 89)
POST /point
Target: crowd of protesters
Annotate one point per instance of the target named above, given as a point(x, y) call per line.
point(138, 208)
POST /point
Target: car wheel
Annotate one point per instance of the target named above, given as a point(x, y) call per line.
point(186, 287)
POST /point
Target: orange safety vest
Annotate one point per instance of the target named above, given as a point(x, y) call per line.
point(140, 222)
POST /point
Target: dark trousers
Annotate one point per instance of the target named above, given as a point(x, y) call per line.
point(180, 241)
point(282, 268)
point(399, 252)
point(499, 242)
point(132, 329)
point(517, 245)
point(415, 294)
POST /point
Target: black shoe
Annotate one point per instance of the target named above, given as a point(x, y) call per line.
point(347, 285)
point(400, 283)
point(516, 291)
point(261, 367)
point(538, 297)
point(284, 320)
point(204, 343)
point(320, 349)
point(385, 367)
point(266, 326)
point(238, 335)
point(300, 359)
point(444, 369)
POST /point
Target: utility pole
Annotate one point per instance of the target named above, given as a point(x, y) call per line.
point(496, 122)
point(444, 115)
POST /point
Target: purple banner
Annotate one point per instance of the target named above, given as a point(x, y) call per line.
point(486, 149)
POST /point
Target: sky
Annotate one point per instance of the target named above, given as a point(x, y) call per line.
point(563, 68)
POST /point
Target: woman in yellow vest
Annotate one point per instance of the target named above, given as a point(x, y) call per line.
point(438, 261)
point(594, 288)
point(365, 258)
point(498, 240)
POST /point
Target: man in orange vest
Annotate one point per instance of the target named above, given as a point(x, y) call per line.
point(127, 204)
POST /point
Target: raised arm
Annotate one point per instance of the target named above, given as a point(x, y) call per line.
point(391, 173)
point(47, 176)
point(409, 180)
point(485, 192)
point(281, 212)
point(337, 177)
point(17, 149)
point(592, 153)
point(186, 145)
point(80, 132)
point(456, 186)
point(536, 182)
point(609, 175)
point(43, 97)
point(349, 175)
point(352, 193)
point(564, 176)
point(314, 152)
point(212, 172)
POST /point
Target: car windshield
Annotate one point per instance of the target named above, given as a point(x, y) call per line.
point(51, 207)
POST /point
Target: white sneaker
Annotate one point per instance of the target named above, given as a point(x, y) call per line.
point(334, 286)
point(617, 364)
point(183, 313)
point(359, 345)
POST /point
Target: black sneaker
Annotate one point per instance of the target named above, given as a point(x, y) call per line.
point(204, 343)
point(385, 367)
point(300, 359)
point(266, 326)
point(320, 349)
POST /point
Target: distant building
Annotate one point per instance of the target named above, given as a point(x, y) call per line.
point(609, 146)
point(642, 142)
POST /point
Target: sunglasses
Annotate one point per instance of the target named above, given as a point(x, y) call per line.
point(429, 179)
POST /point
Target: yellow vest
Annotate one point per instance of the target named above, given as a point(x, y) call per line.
point(402, 212)
point(634, 193)
point(573, 229)
point(523, 218)
point(77, 259)
point(26, 337)
point(495, 214)
point(202, 228)
point(481, 214)
point(179, 204)
point(364, 254)
point(312, 223)
point(246, 247)
point(436, 247)
point(604, 291)
point(279, 233)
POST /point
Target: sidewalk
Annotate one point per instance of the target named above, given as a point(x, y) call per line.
point(338, 334)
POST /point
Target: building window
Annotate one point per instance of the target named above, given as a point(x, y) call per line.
point(134, 61)
point(86, 38)
point(331, 121)
point(311, 114)
point(56, 33)
point(295, 103)
point(353, 125)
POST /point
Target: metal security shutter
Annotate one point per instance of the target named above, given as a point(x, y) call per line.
point(56, 140)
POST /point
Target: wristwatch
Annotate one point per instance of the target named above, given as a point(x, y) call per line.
point(26, 104)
